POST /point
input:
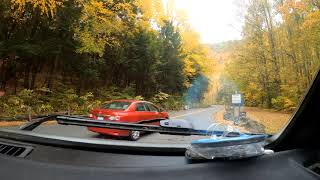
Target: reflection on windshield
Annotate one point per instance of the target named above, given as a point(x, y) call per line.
point(243, 64)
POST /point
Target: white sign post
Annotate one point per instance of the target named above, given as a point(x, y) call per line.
point(236, 98)
point(237, 101)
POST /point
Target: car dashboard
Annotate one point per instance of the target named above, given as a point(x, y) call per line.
point(51, 162)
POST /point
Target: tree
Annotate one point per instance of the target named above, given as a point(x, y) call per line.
point(99, 46)
point(170, 71)
point(275, 62)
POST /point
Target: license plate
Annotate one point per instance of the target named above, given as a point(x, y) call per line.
point(100, 118)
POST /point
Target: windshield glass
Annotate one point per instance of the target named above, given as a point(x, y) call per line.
point(236, 65)
point(116, 105)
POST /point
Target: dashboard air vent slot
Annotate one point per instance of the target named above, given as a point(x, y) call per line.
point(14, 149)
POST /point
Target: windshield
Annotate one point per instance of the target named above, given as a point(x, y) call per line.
point(116, 105)
point(229, 65)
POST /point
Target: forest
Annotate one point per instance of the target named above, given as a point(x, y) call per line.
point(72, 55)
point(275, 62)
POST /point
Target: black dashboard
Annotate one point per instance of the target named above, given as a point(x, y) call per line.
point(46, 163)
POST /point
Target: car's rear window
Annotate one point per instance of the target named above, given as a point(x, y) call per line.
point(152, 107)
point(116, 105)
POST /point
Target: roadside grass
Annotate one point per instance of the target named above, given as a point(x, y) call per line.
point(19, 123)
point(11, 123)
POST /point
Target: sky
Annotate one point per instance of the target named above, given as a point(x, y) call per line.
point(215, 20)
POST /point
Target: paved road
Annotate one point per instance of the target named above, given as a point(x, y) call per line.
point(200, 118)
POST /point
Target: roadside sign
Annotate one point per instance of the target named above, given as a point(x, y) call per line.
point(236, 99)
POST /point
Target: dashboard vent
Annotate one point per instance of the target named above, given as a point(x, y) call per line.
point(14, 149)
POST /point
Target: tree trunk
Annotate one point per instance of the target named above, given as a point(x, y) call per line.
point(33, 76)
point(26, 76)
point(276, 68)
point(3, 70)
point(15, 82)
point(51, 73)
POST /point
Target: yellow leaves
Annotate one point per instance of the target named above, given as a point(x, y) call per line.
point(95, 26)
point(96, 9)
point(146, 7)
point(189, 69)
point(198, 56)
point(312, 20)
point(125, 9)
point(190, 40)
point(152, 10)
point(283, 103)
point(46, 7)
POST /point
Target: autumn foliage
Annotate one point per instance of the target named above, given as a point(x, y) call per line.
point(72, 48)
point(274, 64)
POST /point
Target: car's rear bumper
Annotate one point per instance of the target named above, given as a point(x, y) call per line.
point(112, 132)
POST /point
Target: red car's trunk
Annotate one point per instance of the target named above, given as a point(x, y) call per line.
point(104, 113)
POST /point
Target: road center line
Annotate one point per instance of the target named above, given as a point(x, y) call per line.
point(191, 113)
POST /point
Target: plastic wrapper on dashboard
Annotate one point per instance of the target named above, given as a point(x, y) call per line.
point(225, 152)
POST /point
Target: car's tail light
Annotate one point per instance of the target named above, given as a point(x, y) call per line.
point(114, 118)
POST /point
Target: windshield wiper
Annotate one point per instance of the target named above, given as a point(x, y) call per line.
point(31, 125)
point(87, 122)
point(230, 145)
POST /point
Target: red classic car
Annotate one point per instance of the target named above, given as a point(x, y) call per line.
point(129, 111)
